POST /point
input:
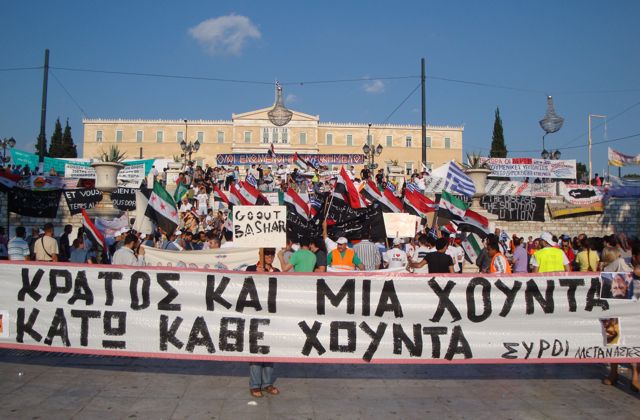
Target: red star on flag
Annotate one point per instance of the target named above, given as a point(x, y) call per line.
point(174, 213)
point(154, 198)
point(162, 206)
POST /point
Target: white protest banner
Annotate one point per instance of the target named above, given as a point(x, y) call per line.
point(235, 259)
point(259, 226)
point(400, 225)
point(531, 189)
point(532, 168)
point(581, 193)
point(132, 173)
point(297, 317)
point(72, 170)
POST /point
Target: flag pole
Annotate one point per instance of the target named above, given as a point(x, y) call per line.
point(326, 210)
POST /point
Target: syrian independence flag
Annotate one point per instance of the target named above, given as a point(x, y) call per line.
point(451, 207)
point(180, 191)
point(301, 163)
point(92, 232)
point(472, 245)
point(474, 222)
point(417, 203)
point(218, 195)
point(297, 204)
point(346, 191)
point(389, 202)
point(235, 197)
point(162, 209)
point(251, 195)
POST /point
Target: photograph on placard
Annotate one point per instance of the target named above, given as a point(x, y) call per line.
point(616, 285)
point(611, 331)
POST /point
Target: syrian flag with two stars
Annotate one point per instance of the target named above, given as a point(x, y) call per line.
point(295, 203)
point(162, 209)
point(417, 203)
point(92, 232)
point(347, 191)
point(235, 197)
point(474, 222)
point(301, 163)
point(252, 195)
point(389, 202)
point(219, 195)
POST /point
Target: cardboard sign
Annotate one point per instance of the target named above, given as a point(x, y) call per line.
point(259, 226)
point(400, 225)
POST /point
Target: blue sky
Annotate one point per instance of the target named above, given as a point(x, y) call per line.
point(584, 53)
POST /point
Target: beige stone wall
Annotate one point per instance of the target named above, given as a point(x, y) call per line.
point(234, 138)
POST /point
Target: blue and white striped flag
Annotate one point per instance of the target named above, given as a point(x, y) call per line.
point(411, 186)
point(391, 187)
point(458, 182)
point(251, 180)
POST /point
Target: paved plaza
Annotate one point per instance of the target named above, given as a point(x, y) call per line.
point(60, 386)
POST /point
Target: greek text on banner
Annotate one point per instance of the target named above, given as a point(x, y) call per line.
point(349, 318)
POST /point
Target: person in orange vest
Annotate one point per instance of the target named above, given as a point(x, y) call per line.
point(499, 263)
point(343, 257)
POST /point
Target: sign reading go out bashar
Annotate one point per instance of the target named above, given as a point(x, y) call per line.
point(259, 226)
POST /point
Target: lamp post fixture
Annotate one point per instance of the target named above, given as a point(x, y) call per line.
point(605, 121)
point(9, 143)
point(188, 148)
point(550, 154)
point(371, 152)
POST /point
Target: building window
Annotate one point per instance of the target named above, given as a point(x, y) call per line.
point(220, 137)
point(265, 135)
point(247, 136)
point(389, 141)
point(428, 142)
point(99, 136)
point(139, 136)
point(408, 140)
point(447, 143)
point(159, 136)
point(349, 140)
point(285, 135)
point(303, 138)
point(408, 166)
point(179, 136)
point(118, 136)
point(274, 133)
point(329, 139)
point(200, 137)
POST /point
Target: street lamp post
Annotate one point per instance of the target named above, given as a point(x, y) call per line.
point(9, 143)
point(188, 148)
point(592, 116)
point(371, 152)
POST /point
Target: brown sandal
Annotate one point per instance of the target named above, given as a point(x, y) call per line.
point(609, 381)
point(272, 390)
point(256, 393)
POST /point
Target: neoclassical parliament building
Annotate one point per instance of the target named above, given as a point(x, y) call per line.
point(246, 138)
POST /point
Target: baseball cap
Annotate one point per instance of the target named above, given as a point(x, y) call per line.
point(397, 241)
point(548, 238)
point(342, 240)
point(178, 232)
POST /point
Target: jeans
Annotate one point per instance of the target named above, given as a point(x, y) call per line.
point(260, 375)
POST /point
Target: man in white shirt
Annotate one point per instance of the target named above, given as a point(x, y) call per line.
point(18, 248)
point(203, 202)
point(457, 255)
point(130, 253)
point(395, 257)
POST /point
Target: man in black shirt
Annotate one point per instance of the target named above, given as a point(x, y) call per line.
point(269, 256)
point(438, 262)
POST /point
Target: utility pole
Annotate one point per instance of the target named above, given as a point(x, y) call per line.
point(592, 116)
point(424, 116)
point(42, 138)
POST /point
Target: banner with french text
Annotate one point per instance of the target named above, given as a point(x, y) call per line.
point(357, 317)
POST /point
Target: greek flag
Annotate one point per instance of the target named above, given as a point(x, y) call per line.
point(458, 182)
point(411, 186)
point(391, 187)
point(251, 180)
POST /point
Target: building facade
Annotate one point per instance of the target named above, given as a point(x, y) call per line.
point(252, 133)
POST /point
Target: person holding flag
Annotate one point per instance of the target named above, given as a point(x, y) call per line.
point(499, 263)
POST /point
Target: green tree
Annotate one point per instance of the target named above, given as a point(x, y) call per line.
point(55, 147)
point(498, 148)
point(68, 147)
point(581, 171)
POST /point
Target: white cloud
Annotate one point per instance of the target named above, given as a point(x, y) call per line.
point(225, 34)
point(290, 98)
point(374, 86)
